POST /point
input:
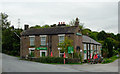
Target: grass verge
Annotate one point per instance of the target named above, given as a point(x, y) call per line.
point(110, 60)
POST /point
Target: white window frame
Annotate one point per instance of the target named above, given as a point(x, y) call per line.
point(60, 52)
point(85, 48)
point(61, 35)
point(92, 50)
point(32, 36)
point(43, 40)
point(85, 54)
point(30, 50)
point(43, 51)
point(88, 46)
point(97, 49)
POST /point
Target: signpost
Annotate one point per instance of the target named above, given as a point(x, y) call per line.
point(64, 57)
point(70, 50)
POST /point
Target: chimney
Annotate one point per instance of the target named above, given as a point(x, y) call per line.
point(58, 22)
point(77, 22)
point(26, 27)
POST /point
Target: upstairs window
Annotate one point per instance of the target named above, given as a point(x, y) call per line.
point(43, 39)
point(32, 40)
point(61, 38)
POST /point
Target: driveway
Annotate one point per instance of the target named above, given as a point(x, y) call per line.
point(13, 64)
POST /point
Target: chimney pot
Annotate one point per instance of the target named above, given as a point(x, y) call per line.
point(58, 22)
point(26, 27)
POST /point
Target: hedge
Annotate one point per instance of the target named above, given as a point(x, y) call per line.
point(58, 60)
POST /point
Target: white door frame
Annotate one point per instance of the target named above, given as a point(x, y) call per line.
point(43, 51)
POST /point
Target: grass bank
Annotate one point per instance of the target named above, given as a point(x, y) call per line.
point(110, 60)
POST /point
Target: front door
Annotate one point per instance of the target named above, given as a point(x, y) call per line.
point(43, 54)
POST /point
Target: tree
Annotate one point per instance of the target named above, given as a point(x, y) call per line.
point(72, 23)
point(102, 35)
point(65, 44)
point(94, 35)
point(108, 44)
point(86, 31)
point(36, 26)
point(5, 23)
point(10, 42)
point(45, 26)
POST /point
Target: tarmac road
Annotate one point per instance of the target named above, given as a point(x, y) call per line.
point(13, 64)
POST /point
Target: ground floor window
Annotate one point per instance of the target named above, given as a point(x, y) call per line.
point(91, 53)
point(31, 52)
point(85, 55)
point(61, 53)
point(43, 53)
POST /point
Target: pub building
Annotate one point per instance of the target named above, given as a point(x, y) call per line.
point(41, 42)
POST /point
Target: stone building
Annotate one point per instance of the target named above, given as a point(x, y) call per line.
point(43, 41)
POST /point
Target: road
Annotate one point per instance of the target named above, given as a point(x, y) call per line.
point(111, 67)
point(13, 64)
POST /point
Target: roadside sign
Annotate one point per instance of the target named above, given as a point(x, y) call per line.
point(70, 49)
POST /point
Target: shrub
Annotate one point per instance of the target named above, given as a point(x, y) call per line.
point(72, 60)
point(58, 60)
point(109, 60)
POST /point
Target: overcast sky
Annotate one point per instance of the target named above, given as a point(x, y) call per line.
point(95, 15)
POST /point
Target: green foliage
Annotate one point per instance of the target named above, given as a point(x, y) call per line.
point(45, 26)
point(65, 44)
point(10, 42)
point(86, 31)
point(5, 23)
point(37, 26)
point(76, 55)
point(102, 35)
point(109, 60)
point(57, 60)
point(94, 35)
point(48, 59)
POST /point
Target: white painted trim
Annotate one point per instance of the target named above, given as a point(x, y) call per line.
point(43, 35)
point(30, 50)
point(61, 34)
point(59, 48)
point(32, 36)
point(43, 51)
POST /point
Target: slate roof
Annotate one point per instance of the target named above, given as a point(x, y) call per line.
point(50, 31)
point(87, 39)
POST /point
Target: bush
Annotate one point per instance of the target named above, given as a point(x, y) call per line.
point(71, 61)
point(58, 60)
point(109, 60)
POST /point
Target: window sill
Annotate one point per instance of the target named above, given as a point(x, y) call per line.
point(32, 46)
point(43, 45)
